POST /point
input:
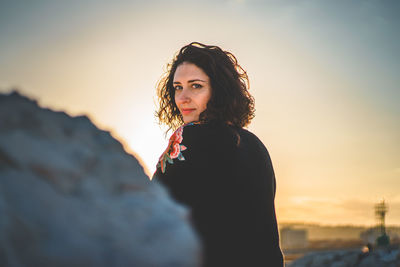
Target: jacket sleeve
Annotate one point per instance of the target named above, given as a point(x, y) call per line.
point(248, 211)
point(256, 201)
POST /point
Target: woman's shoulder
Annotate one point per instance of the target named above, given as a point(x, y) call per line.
point(250, 142)
point(195, 143)
point(207, 142)
point(203, 127)
point(218, 132)
point(204, 130)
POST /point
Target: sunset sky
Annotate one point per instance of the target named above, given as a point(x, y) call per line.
point(325, 76)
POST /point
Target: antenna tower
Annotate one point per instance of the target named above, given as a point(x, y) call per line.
point(380, 212)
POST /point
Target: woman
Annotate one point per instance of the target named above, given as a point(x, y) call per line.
point(221, 171)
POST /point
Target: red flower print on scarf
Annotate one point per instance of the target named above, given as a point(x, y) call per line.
point(174, 149)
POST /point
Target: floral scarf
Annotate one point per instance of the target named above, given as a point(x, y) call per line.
point(174, 148)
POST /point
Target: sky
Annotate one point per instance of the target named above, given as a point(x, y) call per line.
point(325, 76)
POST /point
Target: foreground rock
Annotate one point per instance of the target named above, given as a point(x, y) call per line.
point(71, 196)
point(350, 258)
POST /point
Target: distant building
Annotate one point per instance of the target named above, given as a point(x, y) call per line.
point(370, 235)
point(293, 238)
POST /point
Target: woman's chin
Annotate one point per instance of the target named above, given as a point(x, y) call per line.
point(190, 119)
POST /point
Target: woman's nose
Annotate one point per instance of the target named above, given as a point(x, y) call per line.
point(183, 95)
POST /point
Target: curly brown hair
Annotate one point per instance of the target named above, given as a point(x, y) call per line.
point(230, 101)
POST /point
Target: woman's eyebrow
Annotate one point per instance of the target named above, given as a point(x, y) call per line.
point(196, 80)
point(191, 81)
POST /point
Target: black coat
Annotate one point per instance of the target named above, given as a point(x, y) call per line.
point(226, 178)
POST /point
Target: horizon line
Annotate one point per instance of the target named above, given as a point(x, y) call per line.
point(336, 225)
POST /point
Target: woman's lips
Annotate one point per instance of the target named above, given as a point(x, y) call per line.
point(186, 111)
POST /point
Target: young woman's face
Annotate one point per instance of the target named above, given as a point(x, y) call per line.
point(192, 91)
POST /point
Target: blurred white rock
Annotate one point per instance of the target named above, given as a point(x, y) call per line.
point(71, 196)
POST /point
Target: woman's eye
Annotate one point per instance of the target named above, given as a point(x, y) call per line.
point(178, 87)
point(197, 86)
